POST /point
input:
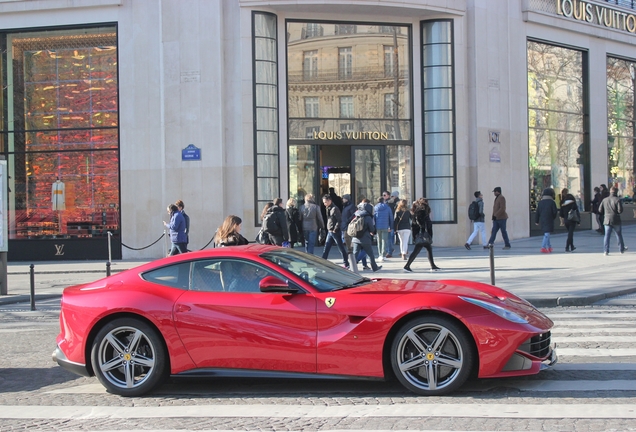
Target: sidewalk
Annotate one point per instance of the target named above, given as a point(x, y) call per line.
point(582, 277)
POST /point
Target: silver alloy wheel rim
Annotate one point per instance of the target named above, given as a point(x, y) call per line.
point(429, 356)
point(126, 357)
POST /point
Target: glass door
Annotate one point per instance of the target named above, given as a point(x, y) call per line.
point(368, 176)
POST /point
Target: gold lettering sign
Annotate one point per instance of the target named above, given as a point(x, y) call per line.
point(581, 10)
point(375, 136)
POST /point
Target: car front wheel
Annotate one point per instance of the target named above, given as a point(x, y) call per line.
point(432, 355)
point(128, 357)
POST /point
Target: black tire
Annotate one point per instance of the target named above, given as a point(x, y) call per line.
point(128, 357)
point(432, 356)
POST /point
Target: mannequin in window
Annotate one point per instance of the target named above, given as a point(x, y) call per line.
point(58, 197)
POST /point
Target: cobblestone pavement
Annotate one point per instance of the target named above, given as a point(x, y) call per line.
point(593, 388)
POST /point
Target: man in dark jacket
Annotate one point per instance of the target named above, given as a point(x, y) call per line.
point(545, 216)
point(365, 241)
point(611, 209)
point(281, 235)
point(596, 204)
point(499, 219)
point(334, 233)
point(479, 223)
point(348, 209)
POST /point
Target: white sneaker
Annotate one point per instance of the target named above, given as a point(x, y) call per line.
point(380, 259)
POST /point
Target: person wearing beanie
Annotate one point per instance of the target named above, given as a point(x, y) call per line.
point(499, 219)
point(364, 241)
point(545, 216)
point(348, 209)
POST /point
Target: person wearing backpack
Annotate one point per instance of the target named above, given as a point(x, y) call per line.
point(476, 215)
point(334, 233)
point(363, 241)
point(275, 223)
point(294, 223)
point(571, 218)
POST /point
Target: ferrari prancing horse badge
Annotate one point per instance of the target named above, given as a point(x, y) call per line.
point(329, 301)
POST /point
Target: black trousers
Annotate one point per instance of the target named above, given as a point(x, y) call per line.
point(417, 250)
point(569, 243)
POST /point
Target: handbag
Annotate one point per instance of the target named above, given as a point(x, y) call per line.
point(573, 215)
point(422, 238)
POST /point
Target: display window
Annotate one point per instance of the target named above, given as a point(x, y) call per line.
point(61, 133)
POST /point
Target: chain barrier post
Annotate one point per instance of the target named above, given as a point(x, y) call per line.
point(492, 264)
point(108, 269)
point(32, 277)
point(4, 270)
point(109, 254)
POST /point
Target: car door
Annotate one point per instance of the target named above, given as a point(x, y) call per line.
point(227, 322)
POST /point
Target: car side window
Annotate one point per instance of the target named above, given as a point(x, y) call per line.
point(243, 276)
point(175, 276)
point(206, 276)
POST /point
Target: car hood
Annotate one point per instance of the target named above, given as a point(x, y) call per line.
point(455, 288)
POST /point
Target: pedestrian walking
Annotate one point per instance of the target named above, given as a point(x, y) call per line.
point(402, 226)
point(596, 204)
point(348, 210)
point(392, 200)
point(177, 230)
point(364, 241)
point(275, 223)
point(181, 206)
point(421, 223)
point(294, 223)
point(334, 234)
point(478, 219)
point(611, 209)
point(383, 218)
point(229, 233)
point(571, 218)
point(544, 217)
point(499, 219)
point(312, 222)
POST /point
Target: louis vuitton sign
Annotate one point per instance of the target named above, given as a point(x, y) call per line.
point(594, 13)
point(375, 136)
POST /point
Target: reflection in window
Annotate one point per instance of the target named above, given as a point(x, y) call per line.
point(311, 107)
point(389, 105)
point(439, 110)
point(621, 124)
point(301, 171)
point(266, 111)
point(346, 106)
point(312, 30)
point(344, 29)
point(556, 134)
point(345, 63)
point(64, 146)
point(389, 60)
point(310, 64)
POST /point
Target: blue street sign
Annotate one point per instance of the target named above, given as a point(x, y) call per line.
point(191, 153)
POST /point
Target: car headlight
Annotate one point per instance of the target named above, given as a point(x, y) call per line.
point(497, 310)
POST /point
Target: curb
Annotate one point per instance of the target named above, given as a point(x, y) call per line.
point(20, 298)
point(577, 301)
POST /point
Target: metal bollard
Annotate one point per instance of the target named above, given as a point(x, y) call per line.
point(108, 269)
point(32, 274)
point(492, 264)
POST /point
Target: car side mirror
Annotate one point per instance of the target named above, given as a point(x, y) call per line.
point(273, 284)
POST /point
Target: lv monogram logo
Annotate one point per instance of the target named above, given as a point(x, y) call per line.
point(59, 249)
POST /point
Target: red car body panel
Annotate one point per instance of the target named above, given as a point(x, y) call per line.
point(340, 332)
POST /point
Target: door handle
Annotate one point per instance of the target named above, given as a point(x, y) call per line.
point(182, 308)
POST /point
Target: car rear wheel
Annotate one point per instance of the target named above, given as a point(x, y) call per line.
point(432, 355)
point(128, 357)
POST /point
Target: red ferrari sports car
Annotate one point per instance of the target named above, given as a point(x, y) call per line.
point(276, 312)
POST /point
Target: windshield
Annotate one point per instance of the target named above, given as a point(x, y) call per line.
point(320, 273)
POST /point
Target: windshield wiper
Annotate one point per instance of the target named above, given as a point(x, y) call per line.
point(359, 282)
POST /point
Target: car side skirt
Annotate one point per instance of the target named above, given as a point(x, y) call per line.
point(250, 373)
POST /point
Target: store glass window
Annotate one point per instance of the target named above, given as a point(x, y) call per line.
point(621, 125)
point(439, 119)
point(267, 185)
point(556, 121)
point(60, 131)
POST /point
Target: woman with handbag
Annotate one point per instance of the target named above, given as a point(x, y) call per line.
point(422, 229)
point(403, 226)
point(571, 218)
